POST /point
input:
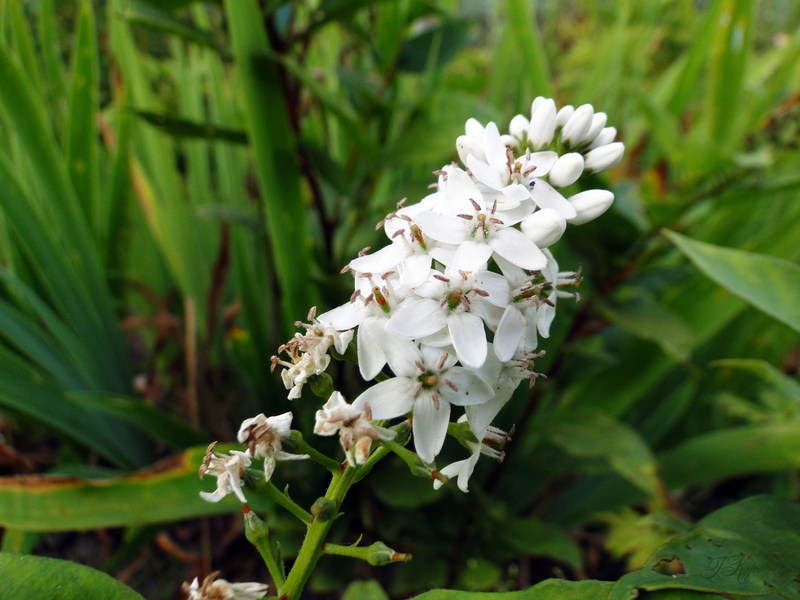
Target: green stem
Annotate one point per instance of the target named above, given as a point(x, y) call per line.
point(300, 446)
point(256, 480)
point(256, 532)
point(312, 548)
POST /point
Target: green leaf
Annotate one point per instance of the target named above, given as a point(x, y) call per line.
point(550, 589)
point(25, 577)
point(768, 283)
point(274, 147)
point(748, 548)
point(591, 434)
point(365, 590)
point(440, 43)
point(166, 492)
point(766, 372)
point(732, 452)
point(186, 128)
point(82, 132)
point(537, 538)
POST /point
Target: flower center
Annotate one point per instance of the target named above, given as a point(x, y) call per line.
point(428, 380)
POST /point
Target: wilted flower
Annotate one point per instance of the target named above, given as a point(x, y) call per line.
point(228, 469)
point(219, 589)
point(356, 433)
point(265, 436)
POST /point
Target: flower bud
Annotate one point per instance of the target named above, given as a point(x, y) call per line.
point(380, 554)
point(323, 509)
point(543, 124)
point(576, 128)
point(566, 170)
point(564, 114)
point(589, 205)
point(518, 127)
point(604, 157)
point(509, 140)
point(606, 136)
point(544, 227)
point(598, 122)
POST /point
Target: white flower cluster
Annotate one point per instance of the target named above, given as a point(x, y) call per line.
point(455, 303)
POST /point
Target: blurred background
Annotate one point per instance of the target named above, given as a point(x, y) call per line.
point(180, 181)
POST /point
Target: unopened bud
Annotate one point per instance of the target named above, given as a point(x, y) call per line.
point(563, 115)
point(543, 124)
point(380, 554)
point(606, 136)
point(598, 122)
point(566, 170)
point(518, 127)
point(323, 509)
point(589, 205)
point(604, 157)
point(544, 227)
point(576, 128)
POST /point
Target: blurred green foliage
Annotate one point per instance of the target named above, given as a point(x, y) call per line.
point(180, 181)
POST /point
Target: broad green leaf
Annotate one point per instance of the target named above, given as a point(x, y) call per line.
point(166, 492)
point(26, 577)
point(648, 320)
point(538, 538)
point(364, 590)
point(591, 434)
point(748, 548)
point(550, 589)
point(434, 47)
point(768, 283)
point(731, 452)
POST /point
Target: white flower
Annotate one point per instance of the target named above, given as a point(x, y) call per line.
point(265, 437)
point(457, 300)
point(426, 383)
point(356, 433)
point(228, 469)
point(479, 230)
point(219, 589)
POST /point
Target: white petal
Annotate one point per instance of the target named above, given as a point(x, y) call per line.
point(469, 338)
point(372, 339)
point(443, 228)
point(518, 126)
point(460, 188)
point(385, 259)
point(346, 316)
point(509, 333)
point(543, 161)
point(403, 356)
point(414, 270)
point(416, 317)
point(494, 148)
point(388, 399)
point(485, 173)
point(473, 128)
point(514, 246)
point(470, 387)
point(471, 256)
point(466, 146)
point(430, 426)
point(495, 285)
point(546, 196)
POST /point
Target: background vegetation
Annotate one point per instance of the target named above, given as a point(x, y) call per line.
point(180, 181)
